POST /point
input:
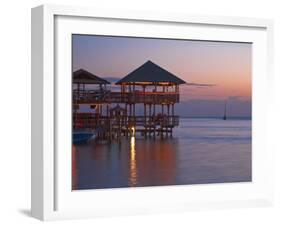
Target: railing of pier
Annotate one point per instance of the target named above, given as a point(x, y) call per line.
point(130, 97)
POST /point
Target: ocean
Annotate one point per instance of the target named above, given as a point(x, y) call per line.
point(201, 151)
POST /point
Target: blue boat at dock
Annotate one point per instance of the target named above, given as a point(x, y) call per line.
point(82, 137)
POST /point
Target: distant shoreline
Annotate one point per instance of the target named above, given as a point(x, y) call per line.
point(216, 117)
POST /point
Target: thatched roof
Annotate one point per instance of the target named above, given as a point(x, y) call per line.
point(151, 73)
point(85, 77)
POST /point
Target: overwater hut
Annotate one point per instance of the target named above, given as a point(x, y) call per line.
point(151, 86)
point(82, 78)
point(154, 89)
point(89, 89)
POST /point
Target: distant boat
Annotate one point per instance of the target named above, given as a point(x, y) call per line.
point(224, 116)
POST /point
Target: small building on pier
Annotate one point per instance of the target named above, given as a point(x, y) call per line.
point(89, 89)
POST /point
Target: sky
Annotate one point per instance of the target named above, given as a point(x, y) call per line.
point(224, 67)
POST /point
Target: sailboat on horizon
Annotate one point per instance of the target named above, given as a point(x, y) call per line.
point(224, 116)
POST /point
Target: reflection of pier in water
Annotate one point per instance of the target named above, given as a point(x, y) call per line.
point(133, 162)
point(114, 113)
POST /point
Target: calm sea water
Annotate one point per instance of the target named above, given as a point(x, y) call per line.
point(201, 151)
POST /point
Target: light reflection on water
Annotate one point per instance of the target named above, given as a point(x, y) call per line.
point(133, 162)
point(202, 151)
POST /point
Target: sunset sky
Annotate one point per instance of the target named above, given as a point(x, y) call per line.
point(224, 67)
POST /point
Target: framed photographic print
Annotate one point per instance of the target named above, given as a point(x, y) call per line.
point(137, 112)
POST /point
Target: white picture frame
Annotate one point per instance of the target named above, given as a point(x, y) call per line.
point(50, 198)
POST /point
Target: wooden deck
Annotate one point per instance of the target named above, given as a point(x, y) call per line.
point(111, 122)
point(88, 120)
point(114, 128)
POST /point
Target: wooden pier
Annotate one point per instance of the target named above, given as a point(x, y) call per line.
point(149, 87)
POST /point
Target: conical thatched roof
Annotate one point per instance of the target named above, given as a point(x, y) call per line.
point(85, 77)
point(150, 72)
